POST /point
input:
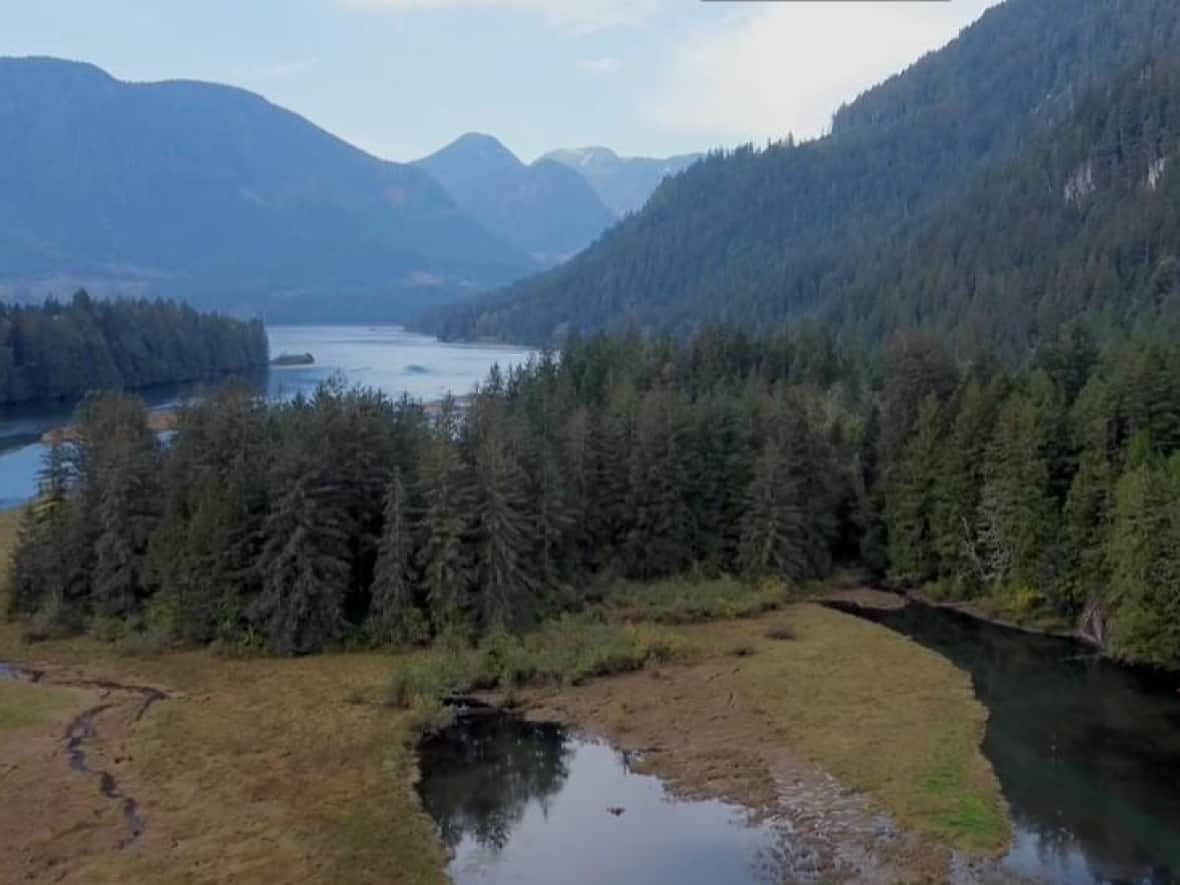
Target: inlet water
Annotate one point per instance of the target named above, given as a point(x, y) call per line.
point(386, 358)
point(1087, 751)
point(531, 803)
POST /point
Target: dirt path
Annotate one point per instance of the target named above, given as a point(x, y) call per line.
point(71, 777)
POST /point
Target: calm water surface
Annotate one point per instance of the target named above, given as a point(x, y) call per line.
point(1087, 751)
point(387, 358)
point(532, 804)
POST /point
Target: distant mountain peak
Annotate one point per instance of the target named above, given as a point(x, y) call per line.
point(623, 183)
point(547, 209)
point(474, 150)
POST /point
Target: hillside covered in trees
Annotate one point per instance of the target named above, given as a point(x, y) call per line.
point(63, 351)
point(892, 196)
point(1085, 226)
point(346, 516)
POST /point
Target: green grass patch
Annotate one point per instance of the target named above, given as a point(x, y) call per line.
point(23, 705)
point(688, 601)
point(887, 718)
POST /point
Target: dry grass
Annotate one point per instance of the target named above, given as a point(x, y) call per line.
point(261, 771)
point(886, 717)
point(23, 705)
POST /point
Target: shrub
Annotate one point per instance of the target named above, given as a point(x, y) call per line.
point(680, 601)
point(568, 651)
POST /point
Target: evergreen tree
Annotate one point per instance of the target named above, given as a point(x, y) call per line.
point(501, 535)
point(1145, 557)
point(441, 526)
point(911, 499)
point(394, 613)
point(775, 537)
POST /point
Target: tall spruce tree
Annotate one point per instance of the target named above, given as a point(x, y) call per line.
point(444, 560)
point(394, 612)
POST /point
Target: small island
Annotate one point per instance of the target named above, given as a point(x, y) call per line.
point(293, 359)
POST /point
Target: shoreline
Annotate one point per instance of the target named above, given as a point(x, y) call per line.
point(892, 600)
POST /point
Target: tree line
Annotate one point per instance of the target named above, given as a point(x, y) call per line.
point(347, 517)
point(1051, 491)
point(59, 351)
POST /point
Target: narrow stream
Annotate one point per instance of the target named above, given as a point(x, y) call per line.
point(531, 803)
point(83, 731)
point(1087, 751)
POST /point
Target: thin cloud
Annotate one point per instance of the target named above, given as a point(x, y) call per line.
point(599, 67)
point(786, 68)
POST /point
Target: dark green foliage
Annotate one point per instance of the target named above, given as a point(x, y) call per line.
point(501, 532)
point(1145, 558)
point(344, 516)
point(394, 613)
point(216, 496)
point(444, 560)
point(65, 351)
point(1048, 492)
point(1082, 228)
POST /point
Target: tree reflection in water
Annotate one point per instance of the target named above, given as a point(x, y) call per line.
point(479, 778)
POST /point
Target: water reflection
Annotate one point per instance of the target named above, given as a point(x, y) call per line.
point(1087, 752)
point(530, 803)
point(483, 775)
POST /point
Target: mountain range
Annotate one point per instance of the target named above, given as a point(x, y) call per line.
point(215, 195)
point(918, 211)
point(545, 209)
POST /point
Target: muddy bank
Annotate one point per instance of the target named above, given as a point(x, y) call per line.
point(866, 597)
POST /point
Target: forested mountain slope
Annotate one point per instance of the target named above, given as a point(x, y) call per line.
point(1084, 226)
point(544, 209)
point(755, 236)
point(215, 194)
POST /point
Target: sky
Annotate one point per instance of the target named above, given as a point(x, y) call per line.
point(401, 78)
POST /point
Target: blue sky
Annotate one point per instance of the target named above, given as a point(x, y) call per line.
point(400, 78)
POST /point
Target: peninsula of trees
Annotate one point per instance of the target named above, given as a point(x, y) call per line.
point(63, 351)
